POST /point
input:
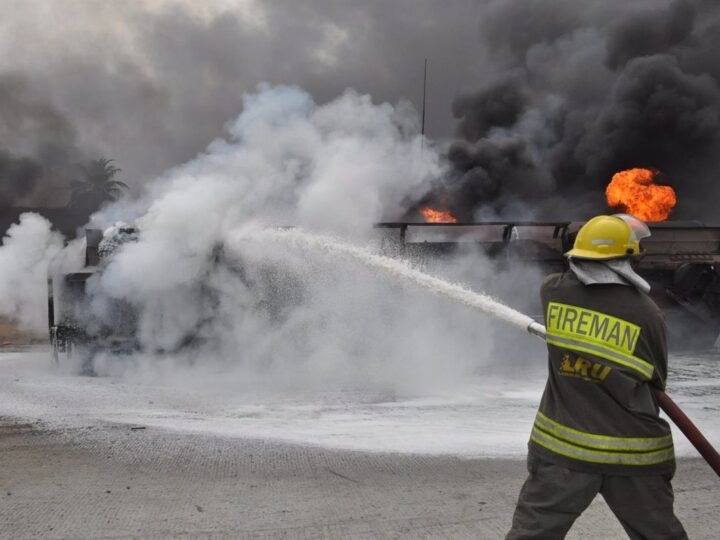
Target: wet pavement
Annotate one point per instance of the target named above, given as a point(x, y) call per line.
point(115, 458)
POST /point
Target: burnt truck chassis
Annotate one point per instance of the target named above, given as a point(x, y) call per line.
point(680, 260)
point(69, 336)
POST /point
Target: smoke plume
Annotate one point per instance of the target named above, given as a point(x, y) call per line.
point(38, 146)
point(25, 255)
point(582, 90)
point(272, 315)
point(210, 297)
point(149, 83)
point(552, 96)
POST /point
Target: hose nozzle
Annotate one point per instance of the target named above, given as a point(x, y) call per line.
point(537, 329)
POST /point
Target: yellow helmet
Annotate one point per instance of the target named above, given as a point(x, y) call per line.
point(609, 237)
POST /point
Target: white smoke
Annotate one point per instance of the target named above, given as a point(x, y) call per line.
point(286, 160)
point(266, 315)
point(279, 317)
point(25, 253)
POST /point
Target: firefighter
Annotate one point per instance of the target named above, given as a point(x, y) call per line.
point(598, 428)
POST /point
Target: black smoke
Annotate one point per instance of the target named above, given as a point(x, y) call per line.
point(19, 177)
point(550, 96)
point(582, 90)
point(38, 147)
point(150, 83)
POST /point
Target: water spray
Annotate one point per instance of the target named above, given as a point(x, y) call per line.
point(479, 301)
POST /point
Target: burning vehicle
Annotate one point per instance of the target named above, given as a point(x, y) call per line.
point(70, 327)
point(680, 261)
point(83, 321)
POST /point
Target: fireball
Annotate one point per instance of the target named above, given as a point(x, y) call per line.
point(634, 192)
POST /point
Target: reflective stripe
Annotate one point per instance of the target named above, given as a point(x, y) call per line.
point(633, 362)
point(592, 332)
point(595, 456)
point(601, 442)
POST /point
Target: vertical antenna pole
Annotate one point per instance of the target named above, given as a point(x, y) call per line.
point(423, 99)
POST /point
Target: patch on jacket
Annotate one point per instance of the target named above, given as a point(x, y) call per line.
point(597, 335)
point(577, 366)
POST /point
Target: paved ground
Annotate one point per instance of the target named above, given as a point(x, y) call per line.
point(114, 481)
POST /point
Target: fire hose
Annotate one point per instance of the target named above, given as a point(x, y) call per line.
point(485, 304)
point(675, 413)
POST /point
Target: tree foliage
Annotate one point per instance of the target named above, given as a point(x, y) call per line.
point(98, 185)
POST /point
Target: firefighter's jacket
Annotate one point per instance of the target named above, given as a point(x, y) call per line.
point(607, 350)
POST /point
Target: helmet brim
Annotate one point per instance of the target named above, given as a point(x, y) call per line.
point(591, 255)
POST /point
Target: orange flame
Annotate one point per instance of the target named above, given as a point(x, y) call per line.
point(635, 192)
point(437, 216)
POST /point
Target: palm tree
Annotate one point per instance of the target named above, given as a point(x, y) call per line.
point(99, 185)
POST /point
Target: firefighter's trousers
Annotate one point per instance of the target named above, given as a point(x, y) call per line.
point(553, 497)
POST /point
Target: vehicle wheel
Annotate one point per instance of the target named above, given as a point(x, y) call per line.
point(62, 350)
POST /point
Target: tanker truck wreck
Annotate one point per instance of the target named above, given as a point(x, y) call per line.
point(680, 261)
point(84, 320)
point(68, 295)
